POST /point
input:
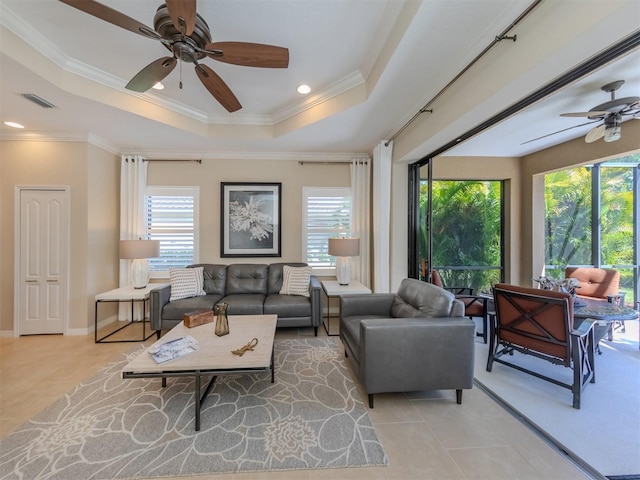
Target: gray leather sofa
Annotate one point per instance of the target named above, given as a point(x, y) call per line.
point(416, 339)
point(248, 289)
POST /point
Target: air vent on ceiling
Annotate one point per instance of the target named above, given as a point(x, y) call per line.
point(38, 100)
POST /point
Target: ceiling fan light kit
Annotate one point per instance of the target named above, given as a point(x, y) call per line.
point(186, 35)
point(612, 130)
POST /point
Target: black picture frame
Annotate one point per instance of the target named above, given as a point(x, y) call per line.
point(250, 219)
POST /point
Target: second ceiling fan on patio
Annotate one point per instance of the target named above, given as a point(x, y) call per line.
point(186, 35)
point(610, 113)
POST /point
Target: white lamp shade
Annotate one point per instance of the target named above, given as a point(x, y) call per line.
point(139, 248)
point(344, 247)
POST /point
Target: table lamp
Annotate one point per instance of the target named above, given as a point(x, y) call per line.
point(344, 249)
point(139, 251)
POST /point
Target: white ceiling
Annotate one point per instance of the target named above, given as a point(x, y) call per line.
point(372, 64)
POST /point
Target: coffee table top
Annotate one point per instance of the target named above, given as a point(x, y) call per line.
point(215, 352)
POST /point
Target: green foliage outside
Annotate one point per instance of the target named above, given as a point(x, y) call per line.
point(568, 203)
point(466, 232)
point(568, 219)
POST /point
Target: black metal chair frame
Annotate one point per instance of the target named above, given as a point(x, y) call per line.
point(466, 293)
point(579, 347)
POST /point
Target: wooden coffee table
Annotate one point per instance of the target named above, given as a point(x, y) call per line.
point(214, 356)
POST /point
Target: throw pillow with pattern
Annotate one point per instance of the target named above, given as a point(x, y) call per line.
point(186, 282)
point(295, 280)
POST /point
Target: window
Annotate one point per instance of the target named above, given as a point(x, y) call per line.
point(172, 218)
point(590, 220)
point(327, 214)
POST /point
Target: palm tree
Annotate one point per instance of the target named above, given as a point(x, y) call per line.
point(466, 230)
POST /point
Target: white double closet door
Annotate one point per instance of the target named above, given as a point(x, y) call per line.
point(43, 248)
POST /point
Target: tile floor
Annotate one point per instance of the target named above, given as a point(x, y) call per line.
point(426, 435)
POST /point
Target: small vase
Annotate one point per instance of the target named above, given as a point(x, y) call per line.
point(222, 322)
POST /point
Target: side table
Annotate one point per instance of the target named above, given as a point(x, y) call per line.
point(332, 289)
point(126, 294)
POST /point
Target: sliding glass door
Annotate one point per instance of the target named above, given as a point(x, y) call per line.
point(466, 246)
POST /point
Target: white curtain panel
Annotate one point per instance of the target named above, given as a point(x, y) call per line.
point(133, 187)
point(360, 217)
point(382, 156)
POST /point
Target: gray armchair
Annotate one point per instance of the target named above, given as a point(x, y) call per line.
point(416, 339)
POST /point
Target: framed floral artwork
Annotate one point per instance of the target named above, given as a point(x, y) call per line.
point(250, 219)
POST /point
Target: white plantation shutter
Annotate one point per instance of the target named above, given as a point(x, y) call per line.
point(327, 214)
point(172, 219)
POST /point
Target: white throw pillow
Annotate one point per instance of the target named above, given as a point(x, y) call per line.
point(186, 282)
point(295, 280)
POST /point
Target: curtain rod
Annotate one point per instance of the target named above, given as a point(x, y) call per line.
point(169, 160)
point(301, 162)
point(497, 39)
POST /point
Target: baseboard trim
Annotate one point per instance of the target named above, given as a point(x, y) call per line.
point(71, 331)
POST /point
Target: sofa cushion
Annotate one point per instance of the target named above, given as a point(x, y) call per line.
point(175, 310)
point(186, 282)
point(215, 278)
point(287, 306)
point(246, 278)
point(421, 299)
point(244, 303)
point(295, 280)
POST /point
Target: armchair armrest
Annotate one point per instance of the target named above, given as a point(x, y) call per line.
point(584, 328)
point(366, 304)
point(315, 295)
point(158, 298)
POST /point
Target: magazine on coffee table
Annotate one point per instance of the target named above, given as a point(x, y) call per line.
point(173, 349)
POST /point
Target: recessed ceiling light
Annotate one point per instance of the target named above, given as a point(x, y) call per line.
point(13, 125)
point(158, 86)
point(303, 89)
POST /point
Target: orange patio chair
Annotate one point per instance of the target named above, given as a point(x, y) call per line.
point(540, 323)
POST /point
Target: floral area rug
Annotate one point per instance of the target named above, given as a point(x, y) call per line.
point(110, 428)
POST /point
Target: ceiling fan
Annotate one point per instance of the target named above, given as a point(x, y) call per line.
point(609, 113)
point(186, 35)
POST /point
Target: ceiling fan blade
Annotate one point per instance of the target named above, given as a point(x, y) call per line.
point(183, 15)
point(249, 54)
point(112, 16)
point(151, 74)
point(595, 133)
point(586, 114)
point(217, 88)
point(560, 131)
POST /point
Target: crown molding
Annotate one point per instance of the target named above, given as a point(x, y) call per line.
point(337, 88)
point(96, 140)
point(310, 157)
point(35, 136)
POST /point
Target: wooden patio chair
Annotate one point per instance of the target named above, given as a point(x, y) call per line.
point(540, 323)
